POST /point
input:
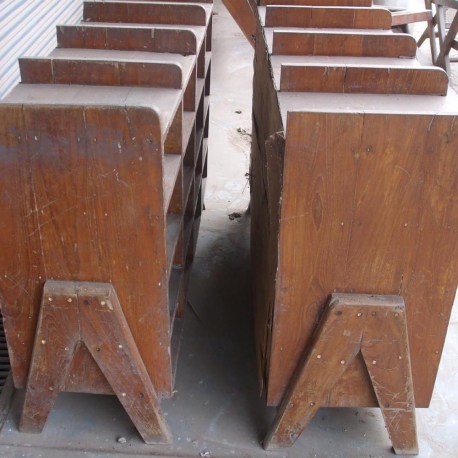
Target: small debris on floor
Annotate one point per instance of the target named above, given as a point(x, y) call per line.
point(243, 132)
point(205, 454)
point(239, 111)
point(235, 215)
point(122, 440)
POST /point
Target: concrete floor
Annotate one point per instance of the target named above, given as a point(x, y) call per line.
point(216, 407)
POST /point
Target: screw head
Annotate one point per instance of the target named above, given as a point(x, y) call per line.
point(319, 356)
point(374, 362)
point(342, 362)
point(43, 342)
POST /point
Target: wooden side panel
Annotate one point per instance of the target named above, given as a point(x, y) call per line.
point(363, 79)
point(343, 44)
point(388, 225)
point(144, 13)
point(331, 17)
point(21, 271)
point(265, 185)
point(91, 182)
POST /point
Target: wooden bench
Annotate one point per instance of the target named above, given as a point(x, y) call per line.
point(102, 178)
point(354, 223)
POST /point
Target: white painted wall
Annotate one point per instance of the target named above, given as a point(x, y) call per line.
point(28, 28)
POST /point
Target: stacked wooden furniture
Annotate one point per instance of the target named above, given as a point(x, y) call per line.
point(354, 211)
point(103, 153)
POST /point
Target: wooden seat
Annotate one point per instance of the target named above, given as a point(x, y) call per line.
point(112, 127)
point(347, 125)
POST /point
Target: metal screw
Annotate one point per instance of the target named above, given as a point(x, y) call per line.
point(69, 299)
point(43, 342)
point(360, 314)
point(123, 395)
point(66, 348)
point(374, 362)
point(51, 388)
point(50, 299)
point(102, 303)
point(119, 346)
point(312, 404)
point(342, 362)
point(399, 357)
point(319, 356)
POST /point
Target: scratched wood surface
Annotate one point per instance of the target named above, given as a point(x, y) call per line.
point(381, 227)
point(77, 314)
point(92, 179)
point(364, 187)
point(376, 327)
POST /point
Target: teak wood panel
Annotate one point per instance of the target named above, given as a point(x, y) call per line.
point(101, 72)
point(331, 17)
point(74, 208)
point(266, 188)
point(144, 13)
point(363, 79)
point(376, 327)
point(79, 314)
point(376, 213)
point(367, 44)
point(127, 38)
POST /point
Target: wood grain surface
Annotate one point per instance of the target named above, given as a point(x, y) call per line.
point(327, 17)
point(363, 79)
point(74, 314)
point(324, 43)
point(374, 325)
point(386, 225)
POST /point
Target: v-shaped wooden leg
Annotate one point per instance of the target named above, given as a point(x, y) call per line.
point(73, 312)
point(374, 325)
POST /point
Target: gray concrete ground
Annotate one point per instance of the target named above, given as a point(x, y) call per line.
point(216, 409)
